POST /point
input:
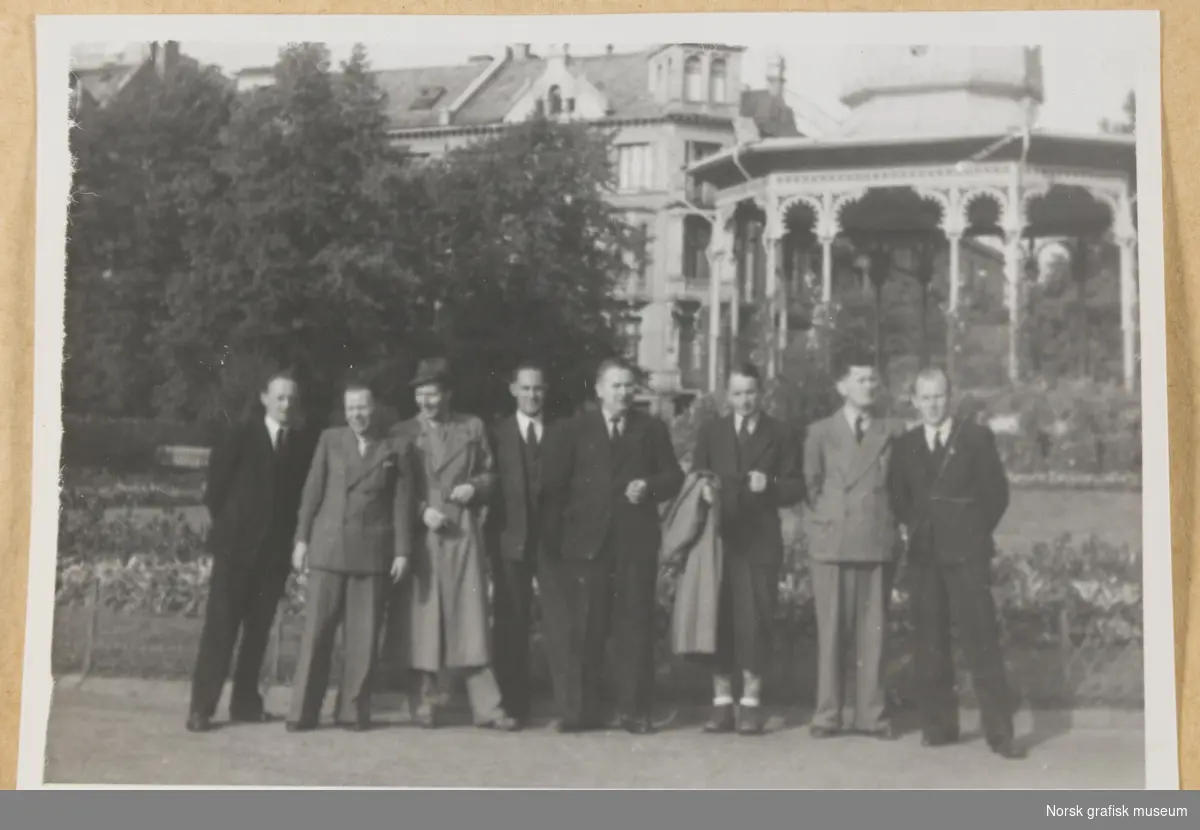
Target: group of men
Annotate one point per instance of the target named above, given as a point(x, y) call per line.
point(398, 533)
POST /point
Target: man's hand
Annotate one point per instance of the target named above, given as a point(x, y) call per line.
point(300, 557)
point(399, 565)
point(758, 481)
point(462, 494)
point(433, 518)
point(707, 493)
point(636, 491)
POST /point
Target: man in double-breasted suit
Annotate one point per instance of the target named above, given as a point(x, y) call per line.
point(522, 538)
point(616, 465)
point(853, 543)
point(255, 476)
point(757, 466)
point(355, 528)
point(950, 490)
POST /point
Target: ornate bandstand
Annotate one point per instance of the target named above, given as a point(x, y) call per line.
point(940, 149)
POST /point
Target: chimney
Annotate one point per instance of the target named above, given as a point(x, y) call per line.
point(521, 52)
point(776, 75)
point(165, 57)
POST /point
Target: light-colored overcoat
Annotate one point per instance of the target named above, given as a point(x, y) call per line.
point(445, 597)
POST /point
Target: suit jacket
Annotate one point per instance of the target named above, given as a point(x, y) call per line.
point(692, 545)
point(849, 517)
point(588, 477)
point(750, 524)
point(514, 505)
point(252, 495)
point(951, 508)
point(357, 513)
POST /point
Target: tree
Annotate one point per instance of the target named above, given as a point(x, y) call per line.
point(291, 243)
point(1127, 126)
point(523, 255)
point(125, 231)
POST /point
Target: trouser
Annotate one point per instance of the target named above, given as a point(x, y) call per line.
point(512, 611)
point(483, 693)
point(574, 598)
point(352, 600)
point(745, 614)
point(958, 595)
point(241, 597)
point(635, 578)
point(851, 604)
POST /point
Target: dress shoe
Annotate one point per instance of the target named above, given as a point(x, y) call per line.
point(502, 723)
point(198, 723)
point(1005, 748)
point(886, 732)
point(252, 717)
point(749, 720)
point(301, 726)
point(722, 720)
point(944, 739)
point(822, 731)
point(637, 726)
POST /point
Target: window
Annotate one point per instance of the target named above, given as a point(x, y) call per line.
point(539, 108)
point(630, 333)
point(693, 89)
point(701, 195)
point(427, 97)
point(635, 167)
point(658, 78)
point(641, 251)
point(697, 233)
point(716, 81)
point(554, 101)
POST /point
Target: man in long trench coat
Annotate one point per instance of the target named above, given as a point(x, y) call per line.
point(441, 618)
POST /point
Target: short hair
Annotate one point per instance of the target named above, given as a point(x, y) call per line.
point(931, 372)
point(852, 359)
point(747, 370)
point(278, 374)
point(358, 386)
point(613, 363)
point(528, 366)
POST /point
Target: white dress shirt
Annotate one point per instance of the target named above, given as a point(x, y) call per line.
point(943, 431)
point(750, 420)
point(852, 416)
point(611, 420)
point(523, 422)
point(273, 428)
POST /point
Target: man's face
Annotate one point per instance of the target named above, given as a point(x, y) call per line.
point(360, 408)
point(931, 398)
point(432, 401)
point(743, 395)
point(282, 396)
point(529, 390)
point(615, 390)
point(860, 387)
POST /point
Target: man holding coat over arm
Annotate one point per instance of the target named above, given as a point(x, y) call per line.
point(754, 458)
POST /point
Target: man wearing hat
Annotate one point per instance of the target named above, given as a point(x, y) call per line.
point(441, 615)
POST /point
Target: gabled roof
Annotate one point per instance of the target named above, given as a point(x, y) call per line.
point(405, 87)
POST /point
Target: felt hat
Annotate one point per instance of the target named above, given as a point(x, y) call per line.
point(431, 370)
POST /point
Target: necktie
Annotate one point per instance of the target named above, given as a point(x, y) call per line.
point(531, 438)
point(616, 427)
point(938, 446)
point(280, 440)
point(860, 428)
point(744, 432)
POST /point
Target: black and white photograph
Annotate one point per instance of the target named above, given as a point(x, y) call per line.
point(780, 404)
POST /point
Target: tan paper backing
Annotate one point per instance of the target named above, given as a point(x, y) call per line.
point(1181, 168)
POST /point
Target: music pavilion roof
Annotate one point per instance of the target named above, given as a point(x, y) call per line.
point(940, 138)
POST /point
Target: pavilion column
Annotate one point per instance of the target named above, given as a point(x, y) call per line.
point(954, 275)
point(719, 260)
point(768, 336)
point(1129, 324)
point(1014, 259)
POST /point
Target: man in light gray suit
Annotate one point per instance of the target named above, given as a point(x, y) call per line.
point(355, 527)
point(853, 542)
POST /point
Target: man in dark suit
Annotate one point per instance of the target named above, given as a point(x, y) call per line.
point(757, 466)
point(521, 538)
point(950, 491)
point(615, 466)
point(355, 528)
point(255, 476)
